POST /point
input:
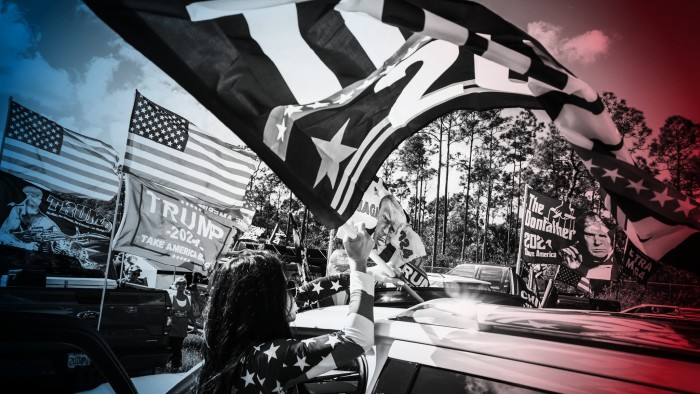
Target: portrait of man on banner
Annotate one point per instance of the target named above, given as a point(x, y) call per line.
point(591, 255)
point(45, 224)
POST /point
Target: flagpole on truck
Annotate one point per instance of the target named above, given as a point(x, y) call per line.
point(7, 126)
point(111, 246)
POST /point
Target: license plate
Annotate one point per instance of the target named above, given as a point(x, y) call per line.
point(78, 360)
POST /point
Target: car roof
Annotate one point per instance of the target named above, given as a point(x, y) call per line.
point(457, 278)
point(585, 327)
point(590, 328)
point(652, 305)
point(333, 317)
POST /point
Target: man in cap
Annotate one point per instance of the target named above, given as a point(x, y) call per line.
point(133, 273)
point(26, 225)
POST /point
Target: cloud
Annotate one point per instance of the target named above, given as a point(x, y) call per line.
point(583, 49)
point(24, 73)
point(93, 97)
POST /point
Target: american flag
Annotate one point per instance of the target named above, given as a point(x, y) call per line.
point(570, 277)
point(243, 215)
point(166, 149)
point(39, 150)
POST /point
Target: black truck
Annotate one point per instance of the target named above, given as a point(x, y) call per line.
point(134, 318)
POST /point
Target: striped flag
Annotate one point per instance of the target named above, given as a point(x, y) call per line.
point(311, 89)
point(243, 215)
point(166, 149)
point(251, 68)
point(570, 277)
point(39, 150)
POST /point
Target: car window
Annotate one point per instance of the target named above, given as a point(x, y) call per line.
point(435, 380)
point(468, 271)
point(396, 377)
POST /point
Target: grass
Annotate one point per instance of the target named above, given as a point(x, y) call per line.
point(192, 353)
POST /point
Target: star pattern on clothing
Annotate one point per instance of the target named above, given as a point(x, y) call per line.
point(336, 285)
point(332, 153)
point(248, 378)
point(333, 340)
point(301, 363)
point(318, 288)
point(278, 388)
point(271, 352)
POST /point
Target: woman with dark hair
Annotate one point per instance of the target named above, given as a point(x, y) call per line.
point(249, 341)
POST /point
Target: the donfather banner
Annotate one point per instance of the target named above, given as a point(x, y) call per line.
point(553, 232)
point(548, 227)
point(37, 223)
point(162, 225)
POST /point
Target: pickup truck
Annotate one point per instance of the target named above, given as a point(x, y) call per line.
point(134, 320)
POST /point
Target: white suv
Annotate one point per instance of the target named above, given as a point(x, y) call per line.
point(454, 346)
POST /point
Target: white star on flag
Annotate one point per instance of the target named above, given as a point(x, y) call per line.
point(301, 362)
point(317, 288)
point(271, 352)
point(281, 129)
point(344, 98)
point(589, 164)
point(332, 153)
point(257, 348)
point(291, 110)
point(336, 285)
point(662, 197)
point(685, 205)
point(332, 340)
point(612, 174)
point(365, 83)
point(248, 378)
point(637, 186)
point(317, 105)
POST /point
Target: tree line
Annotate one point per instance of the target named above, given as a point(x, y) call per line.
point(493, 155)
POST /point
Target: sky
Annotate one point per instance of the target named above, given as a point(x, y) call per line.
point(58, 59)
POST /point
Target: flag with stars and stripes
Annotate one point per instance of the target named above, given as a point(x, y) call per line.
point(298, 85)
point(167, 149)
point(39, 150)
point(570, 277)
point(243, 216)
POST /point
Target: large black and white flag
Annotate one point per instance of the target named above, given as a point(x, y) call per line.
point(248, 67)
point(322, 96)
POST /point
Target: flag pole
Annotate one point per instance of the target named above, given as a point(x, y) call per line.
point(522, 232)
point(111, 246)
point(7, 126)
